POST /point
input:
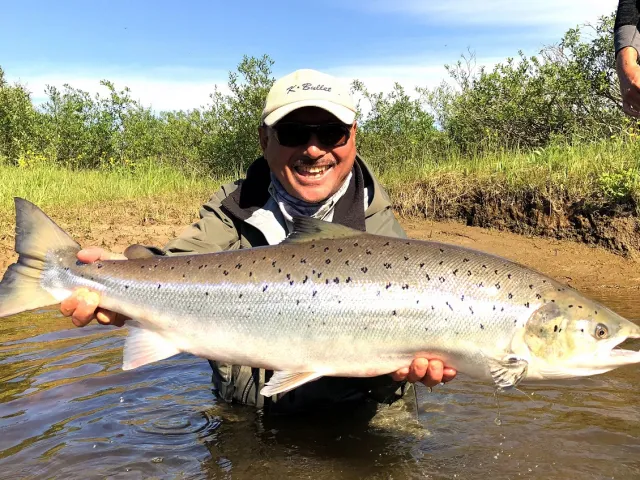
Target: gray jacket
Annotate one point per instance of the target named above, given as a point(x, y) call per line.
point(242, 214)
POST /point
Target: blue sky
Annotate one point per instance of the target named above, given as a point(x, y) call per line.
point(172, 54)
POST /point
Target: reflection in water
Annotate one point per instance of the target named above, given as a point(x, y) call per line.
point(67, 410)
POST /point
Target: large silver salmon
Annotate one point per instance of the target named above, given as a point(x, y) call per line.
point(330, 300)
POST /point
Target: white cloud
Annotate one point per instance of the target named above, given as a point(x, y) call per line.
point(160, 89)
point(542, 13)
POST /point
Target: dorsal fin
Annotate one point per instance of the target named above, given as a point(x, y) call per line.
point(307, 229)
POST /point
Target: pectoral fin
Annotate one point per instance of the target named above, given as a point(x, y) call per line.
point(282, 382)
point(508, 371)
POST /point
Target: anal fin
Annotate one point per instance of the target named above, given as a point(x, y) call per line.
point(143, 346)
point(282, 382)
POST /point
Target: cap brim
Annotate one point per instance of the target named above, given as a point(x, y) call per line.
point(344, 114)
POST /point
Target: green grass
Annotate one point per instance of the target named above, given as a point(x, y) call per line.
point(600, 173)
point(50, 186)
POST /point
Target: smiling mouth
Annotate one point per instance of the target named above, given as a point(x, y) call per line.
point(312, 171)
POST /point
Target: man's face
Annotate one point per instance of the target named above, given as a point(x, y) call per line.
point(311, 172)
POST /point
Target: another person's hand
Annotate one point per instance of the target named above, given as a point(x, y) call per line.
point(629, 76)
point(82, 305)
point(428, 372)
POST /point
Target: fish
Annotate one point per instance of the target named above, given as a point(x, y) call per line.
point(329, 301)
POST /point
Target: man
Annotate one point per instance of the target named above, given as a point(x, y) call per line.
point(627, 45)
point(309, 167)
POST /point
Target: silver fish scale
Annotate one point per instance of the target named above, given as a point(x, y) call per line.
point(352, 298)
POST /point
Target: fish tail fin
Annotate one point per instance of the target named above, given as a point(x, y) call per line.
point(36, 236)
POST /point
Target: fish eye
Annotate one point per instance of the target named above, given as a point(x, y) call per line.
point(601, 332)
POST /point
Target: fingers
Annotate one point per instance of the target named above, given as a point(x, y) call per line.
point(428, 372)
point(93, 254)
point(81, 306)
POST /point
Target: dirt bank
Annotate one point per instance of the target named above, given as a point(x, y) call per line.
point(592, 269)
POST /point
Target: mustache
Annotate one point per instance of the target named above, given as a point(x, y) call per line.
point(311, 162)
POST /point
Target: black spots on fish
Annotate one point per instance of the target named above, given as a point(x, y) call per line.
point(394, 313)
point(159, 285)
point(509, 276)
point(494, 308)
point(386, 244)
point(293, 255)
point(531, 286)
point(184, 275)
point(502, 309)
point(291, 282)
point(324, 323)
point(538, 296)
point(480, 285)
point(553, 300)
point(484, 266)
point(348, 280)
point(288, 276)
point(481, 327)
point(527, 305)
point(387, 265)
point(313, 272)
point(279, 270)
point(188, 263)
point(273, 264)
point(364, 269)
point(315, 292)
point(570, 306)
point(172, 268)
point(364, 328)
point(582, 330)
point(305, 279)
point(303, 261)
point(471, 310)
point(510, 296)
point(468, 273)
point(346, 263)
point(126, 287)
point(515, 322)
point(405, 287)
point(595, 312)
point(368, 252)
point(428, 277)
point(579, 306)
point(561, 289)
point(240, 296)
point(422, 265)
point(326, 282)
point(313, 245)
point(327, 261)
point(100, 265)
point(388, 285)
point(498, 285)
point(555, 328)
point(440, 262)
point(254, 262)
point(407, 243)
point(225, 272)
point(417, 302)
point(442, 250)
point(462, 298)
point(442, 279)
point(251, 273)
point(220, 265)
point(319, 274)
point(433, 307)
point(264, 288)
point(206, 294)
point(355, 244)
point(326, 249)
point(66, 269)
point(336, 280)
point(238, 266)
point(455, 272)
point(426, 329)
point(449, 305)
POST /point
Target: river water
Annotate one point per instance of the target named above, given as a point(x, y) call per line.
point(67, 410)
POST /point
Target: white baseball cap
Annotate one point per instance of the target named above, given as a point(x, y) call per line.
point(308, 88)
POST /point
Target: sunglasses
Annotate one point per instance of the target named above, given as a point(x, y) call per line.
point(293, 134)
